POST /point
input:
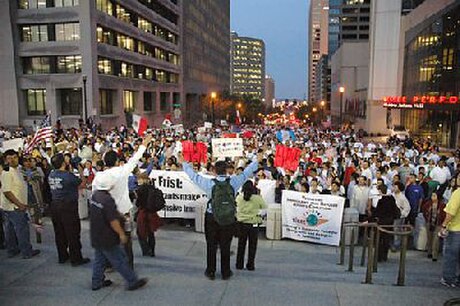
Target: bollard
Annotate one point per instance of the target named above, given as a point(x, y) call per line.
point(402, 262)
point(342, 247)
point(376, 252)
point(352, 250)
point(365, 239)
point(370, 257)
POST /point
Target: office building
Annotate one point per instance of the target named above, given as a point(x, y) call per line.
point(103, 59)
point(247, 66)
point(269, 91)
point(318, 40)
point(206, 49)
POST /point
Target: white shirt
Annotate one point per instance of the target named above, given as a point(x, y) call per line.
point(118, 176)
point(360, 198)
point(403, 204)
point(440, 175)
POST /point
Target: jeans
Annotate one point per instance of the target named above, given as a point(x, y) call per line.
point(117, 258)
point(451, 257)
point(2, 233)
point(17, 233)
point(397, 238)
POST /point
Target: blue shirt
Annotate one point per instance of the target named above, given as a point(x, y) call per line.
point(206, 184)
point(132, 179)
point(414, 193)
point(64, 186)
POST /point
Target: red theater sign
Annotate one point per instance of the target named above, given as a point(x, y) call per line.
point(419, 102)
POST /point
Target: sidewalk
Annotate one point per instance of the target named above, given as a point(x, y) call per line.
point(287, 273)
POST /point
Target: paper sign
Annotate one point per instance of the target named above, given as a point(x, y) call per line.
point(227, 147)
point(13, 144)
point(208, 125)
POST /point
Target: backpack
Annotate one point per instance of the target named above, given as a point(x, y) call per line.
point(154, 200)
point(223, 202)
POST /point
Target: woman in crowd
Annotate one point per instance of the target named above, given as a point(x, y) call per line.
point(249, 210)
point(433, 212)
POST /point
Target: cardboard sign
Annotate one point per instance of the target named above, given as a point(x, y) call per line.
point(195, 152)
point(227, 147)
point(13, 144)
point(287, 158)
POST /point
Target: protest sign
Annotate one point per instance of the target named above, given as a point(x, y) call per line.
point(13, 144)
point(267, 190)
point(287, 158)
point(180, 193)
point(178, 128)
point(195, 152)
point(311, 217)
point(201, 130)
point(227, 147)
point(208, 125)
point(223, 122)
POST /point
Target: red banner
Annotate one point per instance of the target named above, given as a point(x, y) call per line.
point(287, 158)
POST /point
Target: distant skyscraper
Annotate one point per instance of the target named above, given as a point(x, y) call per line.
point(247, 66)
point(318, 40)
point(269, 90)
point(334, 25)
point(206, 46)
point(354, 20)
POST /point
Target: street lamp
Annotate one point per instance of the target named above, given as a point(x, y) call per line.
point(213, 97)
point(341, 91)
point(85, 110)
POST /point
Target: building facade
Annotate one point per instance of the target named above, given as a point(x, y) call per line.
point(354, 20)
point(206, 49)
point(318, 41)
point(247, 66)
point(104, 59)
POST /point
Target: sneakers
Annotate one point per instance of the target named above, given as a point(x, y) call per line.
point(447, 284)
point(33, 254)
point(210, 275)
point(139, 284)
point(83, 261)
point(105, 283)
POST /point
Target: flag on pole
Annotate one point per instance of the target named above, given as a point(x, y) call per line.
point(43, 134)
point(238, 118)
point(46, 122)
point(139, 124)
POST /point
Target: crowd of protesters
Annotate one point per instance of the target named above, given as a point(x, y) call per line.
point(395, 182)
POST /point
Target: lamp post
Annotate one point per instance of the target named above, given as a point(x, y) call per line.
point(85, 110)
point(323, 104)
point(213, 97)
point(341, 91)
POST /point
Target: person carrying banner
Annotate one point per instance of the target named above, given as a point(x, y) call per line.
point(250, 206)
point(219, 233)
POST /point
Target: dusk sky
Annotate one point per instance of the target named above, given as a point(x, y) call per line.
point(282, 24)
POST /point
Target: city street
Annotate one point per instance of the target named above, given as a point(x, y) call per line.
point(287, 273)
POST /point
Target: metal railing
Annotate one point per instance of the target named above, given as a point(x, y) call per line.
point(370, 243)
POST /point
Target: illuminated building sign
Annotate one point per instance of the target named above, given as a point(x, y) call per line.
point(420, 102)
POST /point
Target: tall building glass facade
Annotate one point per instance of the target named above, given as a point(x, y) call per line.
point(432, 65)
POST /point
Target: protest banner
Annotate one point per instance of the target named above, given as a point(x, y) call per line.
point(227, 147)
point(180, 193)
point(311, 217)
point(13, 144)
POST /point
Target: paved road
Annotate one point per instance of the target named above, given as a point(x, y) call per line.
point(287, 273)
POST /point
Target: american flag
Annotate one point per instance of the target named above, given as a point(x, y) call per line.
point(45, 134)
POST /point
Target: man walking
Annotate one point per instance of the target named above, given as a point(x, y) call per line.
point(14, 204)
point(217, 234)
point(64, 212)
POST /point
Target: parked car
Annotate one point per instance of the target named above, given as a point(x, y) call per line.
point(399, 132)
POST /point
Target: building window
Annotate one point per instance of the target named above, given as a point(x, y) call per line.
point(129, 101)
point(104, 36)
point(104, 66)
point(34, 33)
point(164, 103)
point(144, 25)
point(173, 78)
point(176, 99)
point(69, 64)
point(34, 4)
point(106, 97)
point(124, 15)
point(127, 70)
point(105, 6)
point(148, 73)
point(150, 101)
point(37, 65)
point(160, 76)
point(71, 101)
point(125, 42)
point(65, 3)
point(67, 31)
point(36, 100)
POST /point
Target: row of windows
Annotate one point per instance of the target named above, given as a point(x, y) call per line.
point(52, 64)
point(71, 101)
point(123, 41)
point(127, 16)
point(38, 4)
point(50, 32)
point(128, 70)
